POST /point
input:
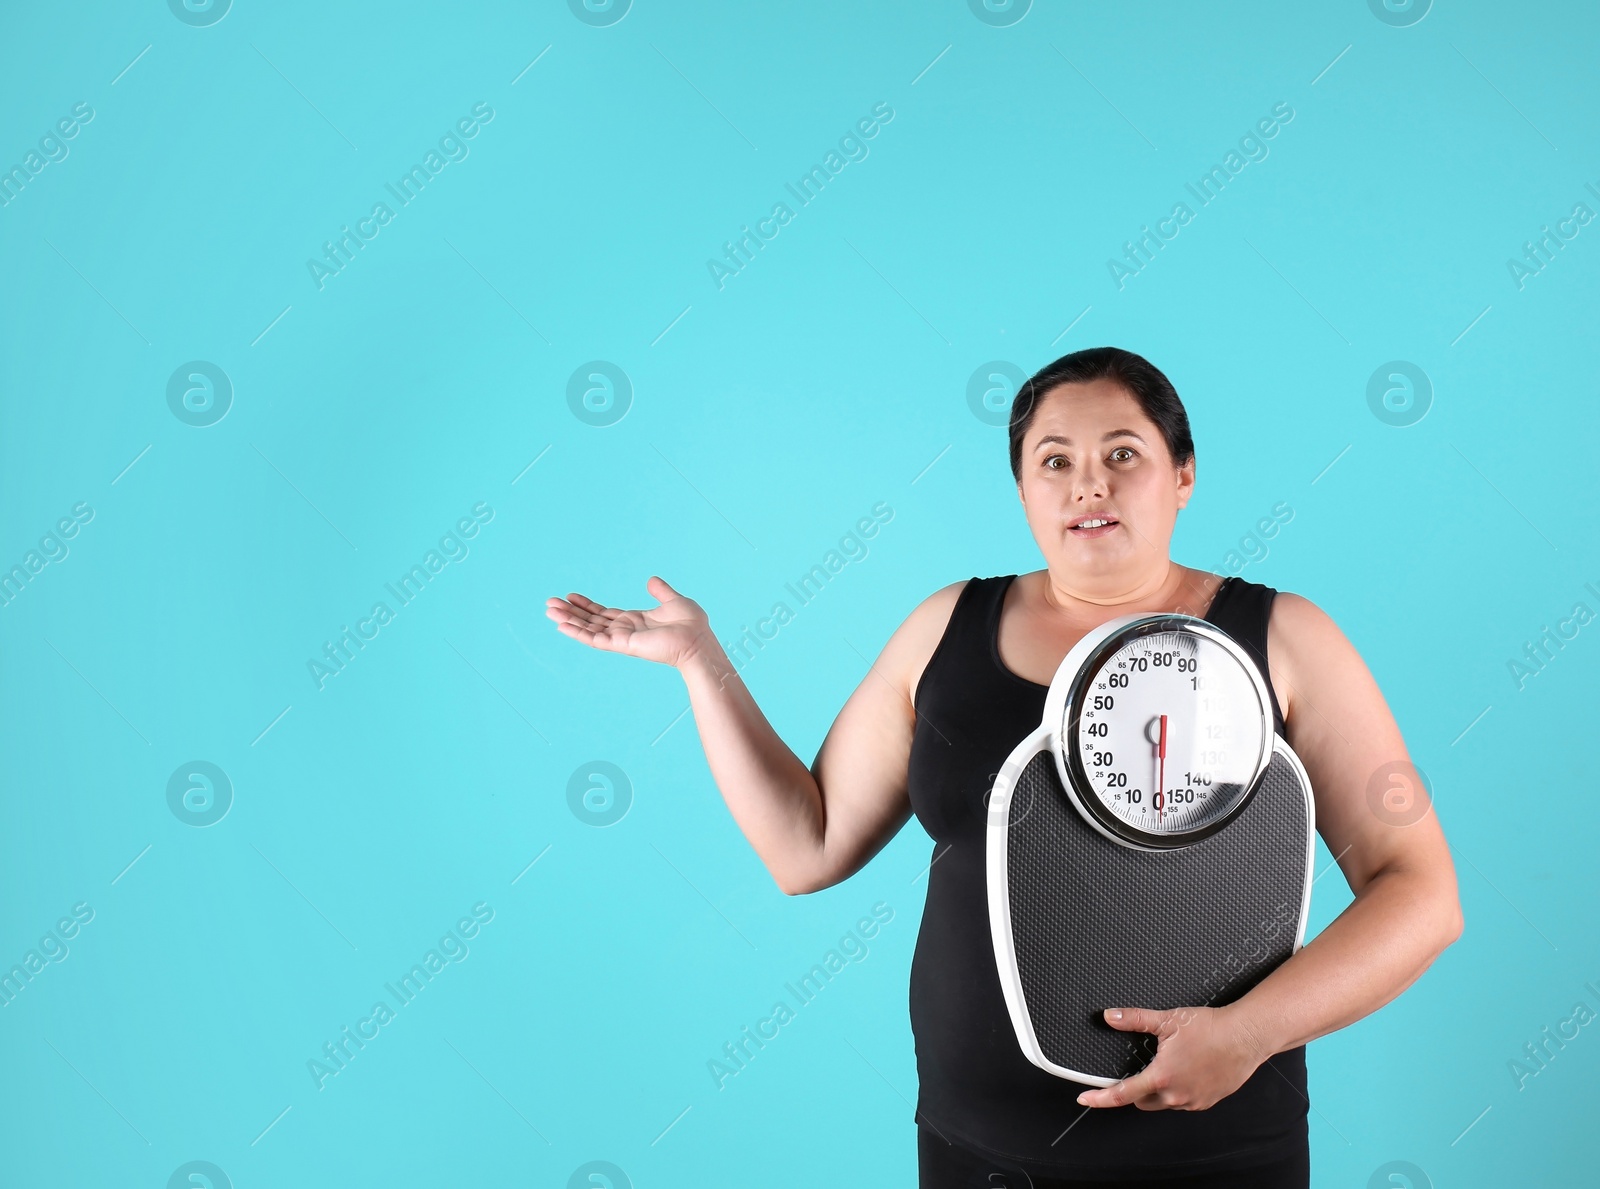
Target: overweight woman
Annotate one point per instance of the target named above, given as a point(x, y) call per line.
point(1103, 459)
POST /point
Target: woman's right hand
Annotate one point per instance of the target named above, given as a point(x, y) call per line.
point(669, 634)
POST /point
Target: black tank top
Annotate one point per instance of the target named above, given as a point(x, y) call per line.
point(975, 1086)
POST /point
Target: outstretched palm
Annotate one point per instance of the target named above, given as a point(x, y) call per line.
point(667, 634)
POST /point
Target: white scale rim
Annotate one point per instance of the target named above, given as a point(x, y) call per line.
point(1047, 736)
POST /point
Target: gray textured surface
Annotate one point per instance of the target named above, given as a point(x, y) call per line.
point(1098, 925)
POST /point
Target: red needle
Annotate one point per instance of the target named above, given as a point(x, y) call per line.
point(1161, 784)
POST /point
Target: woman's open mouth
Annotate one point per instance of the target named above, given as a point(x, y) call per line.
point(1094, 526)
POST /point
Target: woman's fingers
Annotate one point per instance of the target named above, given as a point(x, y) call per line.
point(1134, 1089)
point(579, 609)
point(585, 620)
point(591, 614)
point(573, 631)
point(594, 635)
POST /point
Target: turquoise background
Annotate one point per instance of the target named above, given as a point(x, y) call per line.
point(762, 420)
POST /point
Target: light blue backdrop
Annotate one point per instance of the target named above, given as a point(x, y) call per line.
point(245, 450)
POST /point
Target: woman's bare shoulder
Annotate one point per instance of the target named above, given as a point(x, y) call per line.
point(1299, 621)
point(928, 619)
point(1304, 640)
point(941, 602)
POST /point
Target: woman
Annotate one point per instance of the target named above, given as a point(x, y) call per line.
point(1103, 459)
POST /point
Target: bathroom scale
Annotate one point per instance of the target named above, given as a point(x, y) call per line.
point(1149, 844)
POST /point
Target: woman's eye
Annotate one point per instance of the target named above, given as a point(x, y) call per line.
point(1122, 450)
point(1054, 458)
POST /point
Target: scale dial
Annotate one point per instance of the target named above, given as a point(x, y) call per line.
point(1167, 731)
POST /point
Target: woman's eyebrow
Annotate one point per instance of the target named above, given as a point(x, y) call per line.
point(1115, 433)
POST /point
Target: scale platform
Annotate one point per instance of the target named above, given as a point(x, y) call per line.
point(1081, 923)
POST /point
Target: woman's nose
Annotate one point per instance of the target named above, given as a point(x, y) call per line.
point(1088, 483)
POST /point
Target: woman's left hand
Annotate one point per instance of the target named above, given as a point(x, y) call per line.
point(1203, 1054)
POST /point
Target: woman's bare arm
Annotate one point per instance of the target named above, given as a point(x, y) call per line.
point(815, 827)
point(1375, 817)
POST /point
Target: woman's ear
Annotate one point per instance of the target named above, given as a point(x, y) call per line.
point(1185, 483)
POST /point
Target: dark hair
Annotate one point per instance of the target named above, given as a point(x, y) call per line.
point(1143, 380)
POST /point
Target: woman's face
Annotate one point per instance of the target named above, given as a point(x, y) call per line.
point(1091, 452)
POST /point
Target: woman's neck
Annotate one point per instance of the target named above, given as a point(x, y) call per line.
point(1164, 586)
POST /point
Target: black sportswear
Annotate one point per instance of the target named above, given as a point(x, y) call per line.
point(976, 1089)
